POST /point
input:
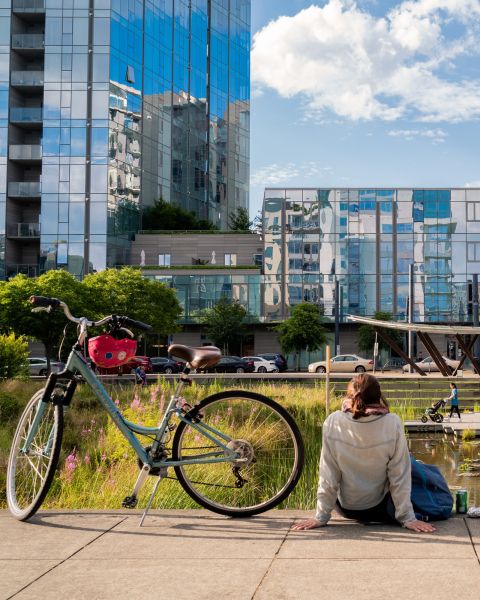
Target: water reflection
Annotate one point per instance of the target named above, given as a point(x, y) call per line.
point(449, 455)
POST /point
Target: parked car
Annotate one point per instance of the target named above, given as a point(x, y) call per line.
point(262, 365)
point(38, 366)
point(343, 363)
point(429, 365)
point(128, 368)
point(279, 359)
point(162, 364)
point(231, 364)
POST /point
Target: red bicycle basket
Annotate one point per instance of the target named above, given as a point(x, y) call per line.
point(106, 351)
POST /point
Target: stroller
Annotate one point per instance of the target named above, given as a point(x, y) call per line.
point(432, 412)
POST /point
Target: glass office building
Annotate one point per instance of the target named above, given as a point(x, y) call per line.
point(365, 239)
point(110, 105)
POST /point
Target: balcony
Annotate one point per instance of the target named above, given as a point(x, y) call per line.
point(24, 269)
point(24, 189)
point(28, 115)
point(27, 79)
point(25, 152)
point(28, 7)
point(24, 230)
point(28, 42)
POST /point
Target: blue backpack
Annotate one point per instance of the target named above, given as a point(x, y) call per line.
point(431, 498)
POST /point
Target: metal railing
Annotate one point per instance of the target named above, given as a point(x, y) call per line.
point(24, 230)
point(25, 152)
point(24, 189)
point(28, 41)
point(26, 114)
point(24, 269)
point(30, 78)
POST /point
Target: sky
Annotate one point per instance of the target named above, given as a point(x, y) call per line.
point(372, 93)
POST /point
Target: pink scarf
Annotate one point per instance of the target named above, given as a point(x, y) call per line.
point(370, 409)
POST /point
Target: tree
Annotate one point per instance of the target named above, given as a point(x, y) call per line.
point(13, 356)
point(125, 292)
point(239, 220)
point(225, 323)
point(16, 312)
point(366, 334)
point(303, 330)
point(172, 217)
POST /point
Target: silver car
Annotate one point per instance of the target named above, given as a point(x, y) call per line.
point(38, 366)
point(343, 363)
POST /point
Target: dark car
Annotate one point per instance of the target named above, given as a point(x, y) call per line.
point(162, 364)
point(128, 368)
point(231, 364)
point(279, 359)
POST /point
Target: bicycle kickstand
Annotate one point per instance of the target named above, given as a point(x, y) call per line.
point(149, 503)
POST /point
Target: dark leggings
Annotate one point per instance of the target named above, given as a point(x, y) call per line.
point(455, 409)
point(376, 514)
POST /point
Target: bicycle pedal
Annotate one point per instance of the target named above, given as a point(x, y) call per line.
point(129, 502)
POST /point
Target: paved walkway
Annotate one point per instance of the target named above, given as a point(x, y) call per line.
point(196, 555)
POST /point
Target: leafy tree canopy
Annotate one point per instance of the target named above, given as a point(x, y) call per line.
point(303, 330)
point(239, 220)
point(366, 334)
point(172, 217)
point(126, 292)
point(16, 312)
point(225, 323)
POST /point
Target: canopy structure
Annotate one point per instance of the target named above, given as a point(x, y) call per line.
point(466, 337)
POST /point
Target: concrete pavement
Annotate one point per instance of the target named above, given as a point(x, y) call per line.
point(197, 555)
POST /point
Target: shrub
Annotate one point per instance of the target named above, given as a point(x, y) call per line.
point(13, 356)
point(468, 435)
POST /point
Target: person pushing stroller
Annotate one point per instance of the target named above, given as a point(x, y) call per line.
point(453, 400)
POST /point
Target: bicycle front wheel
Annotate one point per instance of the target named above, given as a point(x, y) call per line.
point(270, 448)
point(31, 469)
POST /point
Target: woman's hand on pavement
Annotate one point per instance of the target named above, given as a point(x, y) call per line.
point(420, 526)
point(307, 524)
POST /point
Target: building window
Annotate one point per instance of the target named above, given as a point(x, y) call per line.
point(230, 260)
point(130, 74)
point(164, 260)
point(473, 252)
point(473, 211)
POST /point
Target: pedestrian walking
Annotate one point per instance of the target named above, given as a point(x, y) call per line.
point(365, 462)
point(454, 400)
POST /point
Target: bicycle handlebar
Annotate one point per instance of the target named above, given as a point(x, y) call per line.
point(44, 302)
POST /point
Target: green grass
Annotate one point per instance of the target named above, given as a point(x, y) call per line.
point(98, 468)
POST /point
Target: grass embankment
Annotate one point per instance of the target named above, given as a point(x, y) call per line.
point(98, 468)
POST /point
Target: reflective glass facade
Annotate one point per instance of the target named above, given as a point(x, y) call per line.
point(114, 104)
point(366, 239)
point(4, 94)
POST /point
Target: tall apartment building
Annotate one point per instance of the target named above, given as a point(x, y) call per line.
point(108, 105)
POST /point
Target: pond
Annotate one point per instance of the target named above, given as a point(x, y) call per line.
point(453, 458)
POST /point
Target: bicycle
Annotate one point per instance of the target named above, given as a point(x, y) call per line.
point(236, 453)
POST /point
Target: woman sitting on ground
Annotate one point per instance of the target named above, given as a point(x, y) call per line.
point(365, 462)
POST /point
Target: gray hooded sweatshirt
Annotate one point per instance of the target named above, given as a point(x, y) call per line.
point(361, 461)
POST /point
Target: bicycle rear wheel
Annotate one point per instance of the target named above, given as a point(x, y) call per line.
point(30, 472)
point(263, 433)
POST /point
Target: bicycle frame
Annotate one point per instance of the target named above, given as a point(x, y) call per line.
point(77, 364)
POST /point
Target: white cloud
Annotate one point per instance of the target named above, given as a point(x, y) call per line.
point(342, 59)
point(276, 174)
point(473, 184)
point(437, 136)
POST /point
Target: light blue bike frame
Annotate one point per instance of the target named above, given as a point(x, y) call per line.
point(76, 363)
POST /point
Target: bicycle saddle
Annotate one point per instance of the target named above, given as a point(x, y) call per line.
point(198, 358)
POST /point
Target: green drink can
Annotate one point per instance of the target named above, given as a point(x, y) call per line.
point(461, 501)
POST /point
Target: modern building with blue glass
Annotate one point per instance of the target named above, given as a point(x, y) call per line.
point(107, 106)
point(365, 239)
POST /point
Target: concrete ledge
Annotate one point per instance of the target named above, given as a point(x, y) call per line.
point(197, 554)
